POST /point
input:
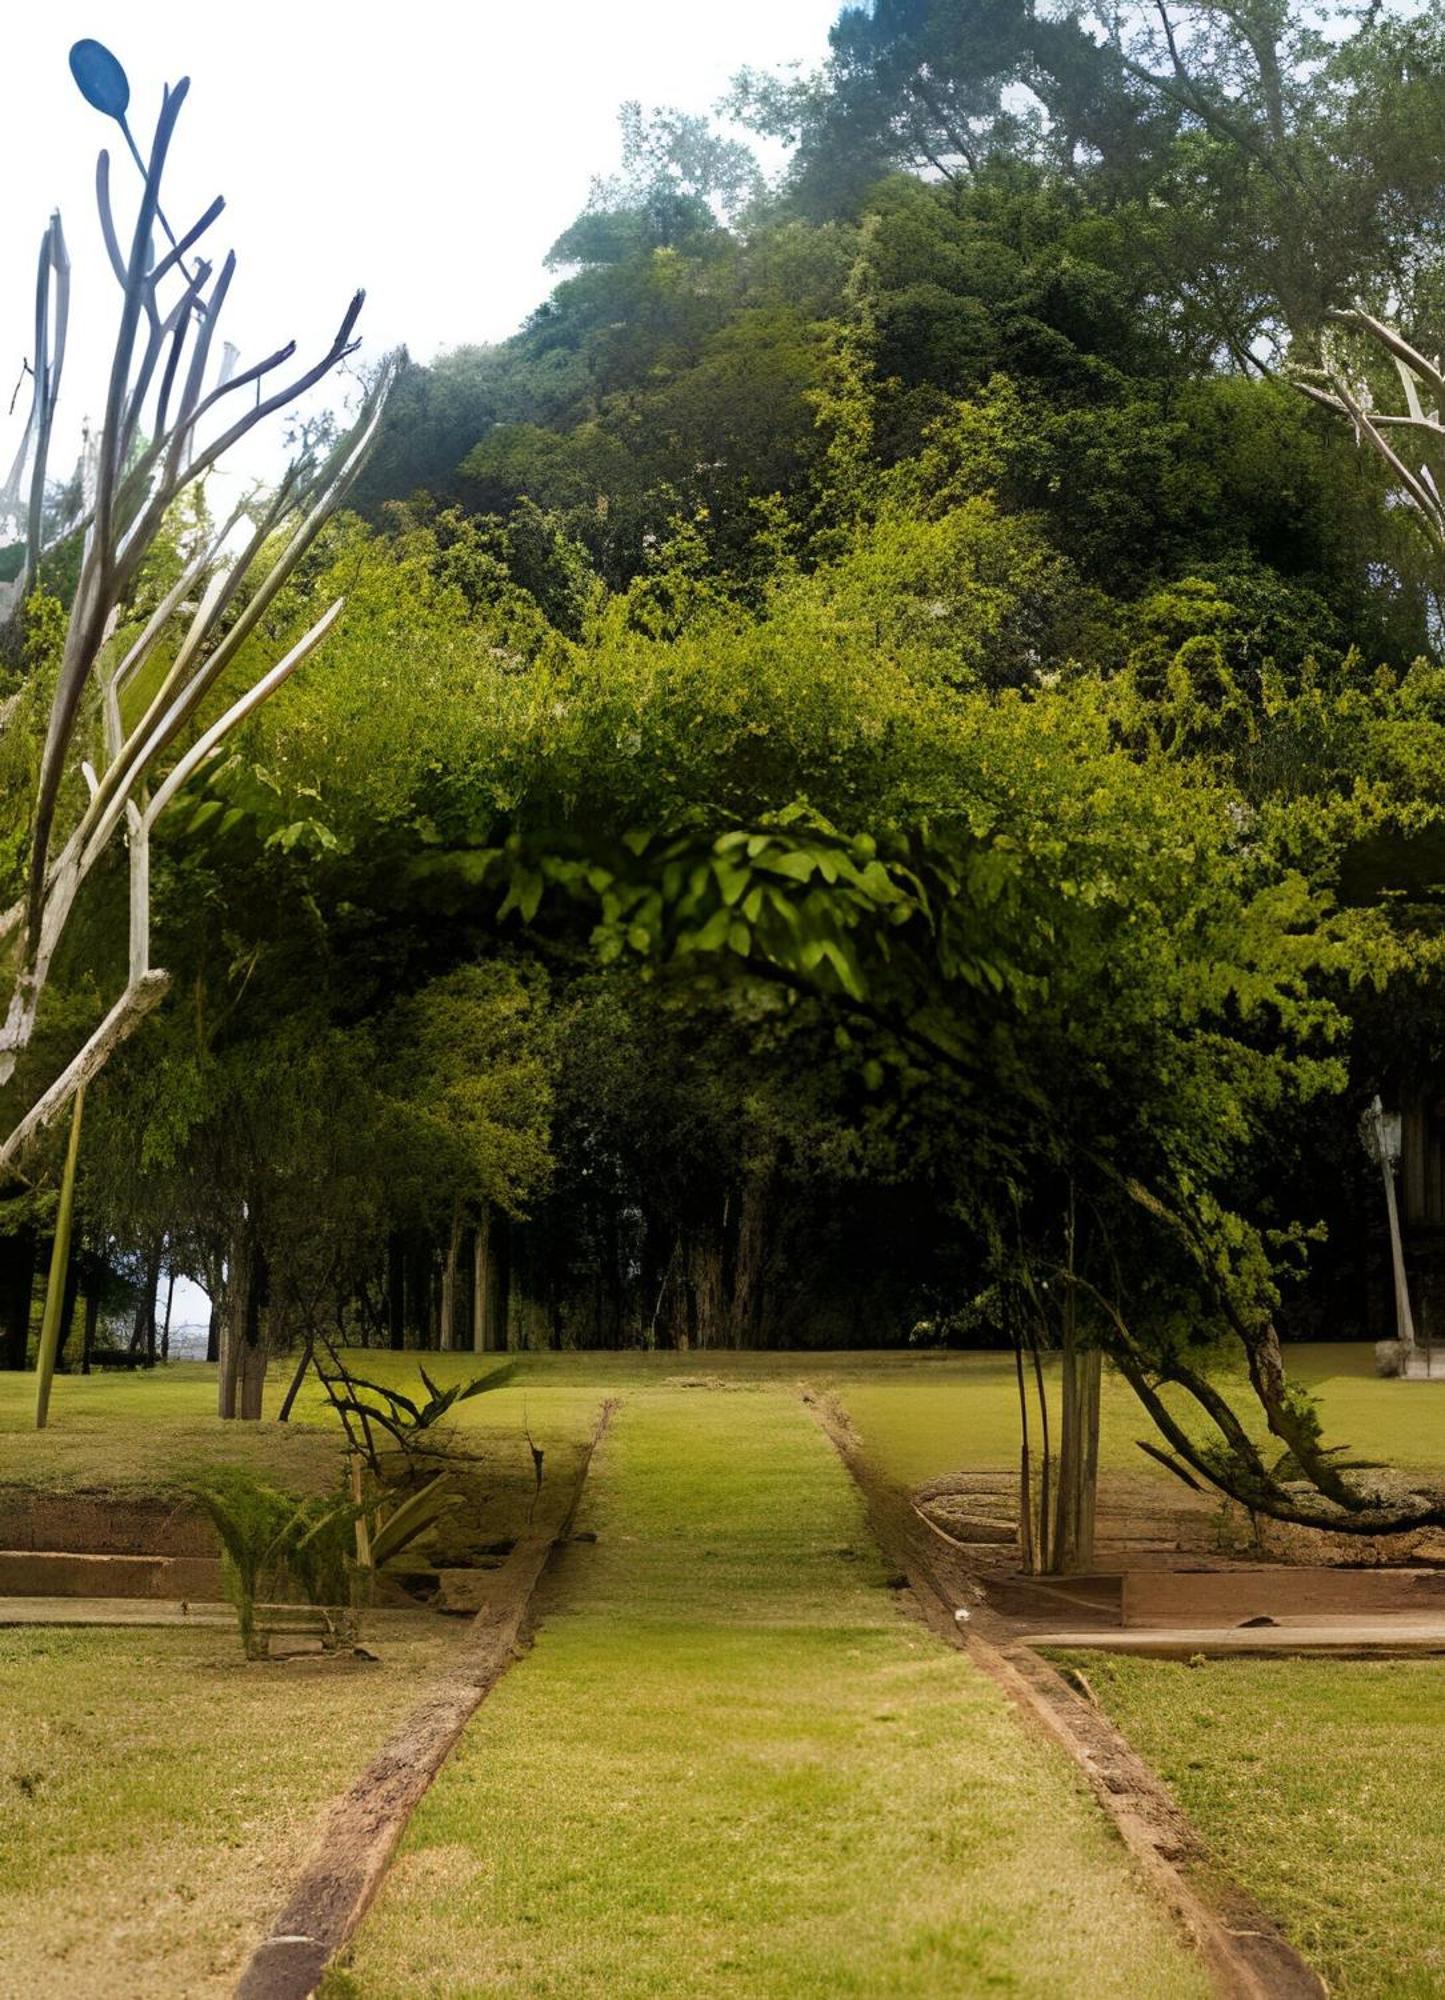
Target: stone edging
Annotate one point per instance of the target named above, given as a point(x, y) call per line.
point(363, 1827)
point(1246, 1953)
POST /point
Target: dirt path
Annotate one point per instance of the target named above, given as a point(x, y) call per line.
point(730, 1766)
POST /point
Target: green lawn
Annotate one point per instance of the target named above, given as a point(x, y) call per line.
point(921, 1415)
point(148, 1431)
point(157, 1795)
point(733, 1766)
point(931, 1414)
point(726, 1740)
point(1318, 1783)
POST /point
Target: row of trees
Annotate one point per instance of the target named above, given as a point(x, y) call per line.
point(879, 776)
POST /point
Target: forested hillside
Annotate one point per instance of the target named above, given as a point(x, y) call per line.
point(880, 747)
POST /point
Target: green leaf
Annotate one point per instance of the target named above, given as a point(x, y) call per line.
point(204, 813)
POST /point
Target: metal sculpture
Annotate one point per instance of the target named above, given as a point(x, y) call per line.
point(1347, 390)
point(177, 403)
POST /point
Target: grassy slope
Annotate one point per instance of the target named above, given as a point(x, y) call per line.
point(933, 1414)
point(157, 1794)
point(1318, 1783)
point(921, 1414)
point(732, 1766)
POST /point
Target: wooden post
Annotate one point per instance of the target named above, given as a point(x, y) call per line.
point(59, 1266)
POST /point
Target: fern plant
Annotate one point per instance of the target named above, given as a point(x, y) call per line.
point(269, 1538)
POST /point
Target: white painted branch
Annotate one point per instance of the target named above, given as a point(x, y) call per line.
point(211, 741)
point(140, 893)
point(119, 1024)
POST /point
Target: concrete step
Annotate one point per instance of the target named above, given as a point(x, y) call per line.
point(103, 1523)
point(1183, 1597)
point(58, 1573)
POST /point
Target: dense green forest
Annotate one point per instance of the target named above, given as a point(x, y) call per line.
point(879, 749)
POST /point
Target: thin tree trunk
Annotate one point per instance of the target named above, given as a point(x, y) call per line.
point(481, 1279)
point(491, 1282)
point(307, 1350)
point(67, 1310)
point(396, 1291)
point(501, 1289)
point(59, 1267)
point(1073, 1544)
point(1093, 1367)
point(1066, 1514)
point(1026, 1484)
point(213, 1334)
point(447, 1338)
point(254, 1344)
point(1046, 1468)
point(233, 1320)
point(143, 1333)
point(170, 1301)
point(750, 1259)
point(95, 1281)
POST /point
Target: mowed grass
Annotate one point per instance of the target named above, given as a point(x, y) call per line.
point(920, 1415)
point(150, 1431)
point(1318, 1783)
point(923, 1416)
point(157, 1795)
point(146, 1431)
point(731, 1765)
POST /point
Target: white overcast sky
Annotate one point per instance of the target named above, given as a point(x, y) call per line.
point(430, 152)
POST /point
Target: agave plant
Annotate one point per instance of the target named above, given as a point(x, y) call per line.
point(408, 1422)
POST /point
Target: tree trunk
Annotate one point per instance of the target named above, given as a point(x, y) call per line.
point(447, 1338)
point(1080, 1376)
point(17, 1289)
point(708, 1324)
point(418, 1293)
point(166, 1325)
point(253, 1344)
point(491, 1282)
point(499, 1307)
point(396, 1291)
point(481, 1281)
point(750, 1260)
point(68, 1305)
point(233, 1319)
point(95, 1280)
point(143, 1333)
point(59, 1268)
point(1078, 1463)
point(1026, 1482)
point(308, 1348)
point(213, 1334)
point(1043, 1553)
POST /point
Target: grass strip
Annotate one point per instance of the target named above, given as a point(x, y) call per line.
point(731, 1765)
point(1318, 1784)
